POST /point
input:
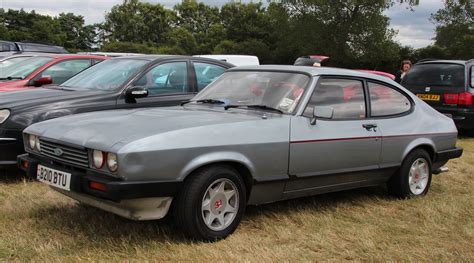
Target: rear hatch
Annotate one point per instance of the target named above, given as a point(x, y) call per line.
point(439, 84)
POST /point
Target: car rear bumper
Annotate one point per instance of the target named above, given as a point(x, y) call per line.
point(445, 155)
point(114, 189)
point(463, 118)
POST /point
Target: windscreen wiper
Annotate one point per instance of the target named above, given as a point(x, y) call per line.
point(208, 101)
point(10, 78)
point(263, 107)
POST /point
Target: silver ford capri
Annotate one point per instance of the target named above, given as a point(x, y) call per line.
point(256, 135)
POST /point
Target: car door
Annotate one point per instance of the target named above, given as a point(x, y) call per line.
point(333, 153)
point(393, 109)
point(168, 84)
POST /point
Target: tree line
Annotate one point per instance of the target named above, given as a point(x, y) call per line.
point(354, 33)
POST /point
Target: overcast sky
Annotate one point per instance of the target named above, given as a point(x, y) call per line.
point(414, 28)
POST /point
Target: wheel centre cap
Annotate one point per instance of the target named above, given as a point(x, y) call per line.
point(218, 204)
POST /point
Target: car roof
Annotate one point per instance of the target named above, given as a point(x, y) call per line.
point(55, 56)
point(171, 57)
point(435, 61)
point(314, 71)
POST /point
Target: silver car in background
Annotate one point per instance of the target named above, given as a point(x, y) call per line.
point(256, 135)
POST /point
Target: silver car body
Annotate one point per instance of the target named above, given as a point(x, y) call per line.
point(280, 156)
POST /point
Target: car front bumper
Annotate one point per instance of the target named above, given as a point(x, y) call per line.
point(11, 145)
point(136, 200)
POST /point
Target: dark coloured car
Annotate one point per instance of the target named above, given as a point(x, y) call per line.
point(125, 82)
point(8, 48)
point(446, 85)
point(34, 70)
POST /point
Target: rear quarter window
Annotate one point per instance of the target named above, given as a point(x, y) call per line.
point(386, 101)
point(436, 75)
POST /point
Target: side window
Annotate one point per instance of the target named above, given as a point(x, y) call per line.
point(64, 70)
point(386, 101)
point(165, 78)
point(206, 73)
point(344, 96)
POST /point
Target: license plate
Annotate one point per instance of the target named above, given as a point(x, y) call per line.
point(53, 177)
point(433, 97)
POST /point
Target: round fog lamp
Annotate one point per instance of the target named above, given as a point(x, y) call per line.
point(98, 159)
point(112, 162)
point(32, 141)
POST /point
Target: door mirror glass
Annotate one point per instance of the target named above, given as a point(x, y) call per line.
point(44, 80)
point(136, 93)
point(324, 112)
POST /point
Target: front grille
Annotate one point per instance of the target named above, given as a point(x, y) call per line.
point(69, 154)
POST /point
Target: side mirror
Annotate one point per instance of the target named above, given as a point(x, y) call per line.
point(44, 80)
point(135, 93)
point(324, 112)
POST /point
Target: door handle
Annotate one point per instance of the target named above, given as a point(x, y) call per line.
point(370, 126)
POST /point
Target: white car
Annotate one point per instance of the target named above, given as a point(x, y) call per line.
point(237, 60)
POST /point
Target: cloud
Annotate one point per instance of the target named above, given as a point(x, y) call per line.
point(92, 10)
point(414, 27)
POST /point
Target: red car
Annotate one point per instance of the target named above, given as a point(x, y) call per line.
point(381, 73)
point(35, 70)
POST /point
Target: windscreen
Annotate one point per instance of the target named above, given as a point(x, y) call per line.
point(22, 68)
point(107, 76)
point(278, 90)
point(10, 60)
point(435, 75)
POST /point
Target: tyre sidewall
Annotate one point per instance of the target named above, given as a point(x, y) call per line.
point(212, 175)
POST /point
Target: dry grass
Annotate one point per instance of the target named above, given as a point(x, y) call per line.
point(37, 224)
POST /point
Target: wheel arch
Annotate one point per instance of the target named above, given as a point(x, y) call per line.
point(235, 160)
point(421, 143)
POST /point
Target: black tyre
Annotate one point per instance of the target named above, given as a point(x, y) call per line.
point(413, 179)
point(211, 203)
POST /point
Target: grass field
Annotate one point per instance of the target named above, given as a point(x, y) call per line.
point(37, 224)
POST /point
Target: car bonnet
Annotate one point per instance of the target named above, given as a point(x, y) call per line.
point(102, 130)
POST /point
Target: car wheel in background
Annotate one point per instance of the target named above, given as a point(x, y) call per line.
point(211, 203)
point(413, 179)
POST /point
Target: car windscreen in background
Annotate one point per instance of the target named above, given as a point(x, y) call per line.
point(435, 75)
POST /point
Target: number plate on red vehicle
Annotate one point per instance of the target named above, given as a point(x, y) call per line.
point(53, 177)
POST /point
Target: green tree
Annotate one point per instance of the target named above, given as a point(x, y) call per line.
point(202, 21)
point(455, 28)
point(354, 33)
point(136, 21)
point(431, 51)
point(76, 34)
point(245, 21)
point(181, 39)
point(195, 17)
point(127, 47)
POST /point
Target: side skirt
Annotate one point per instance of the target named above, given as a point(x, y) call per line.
point(273, 191)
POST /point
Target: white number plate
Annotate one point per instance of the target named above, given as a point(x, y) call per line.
point(54, 177)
